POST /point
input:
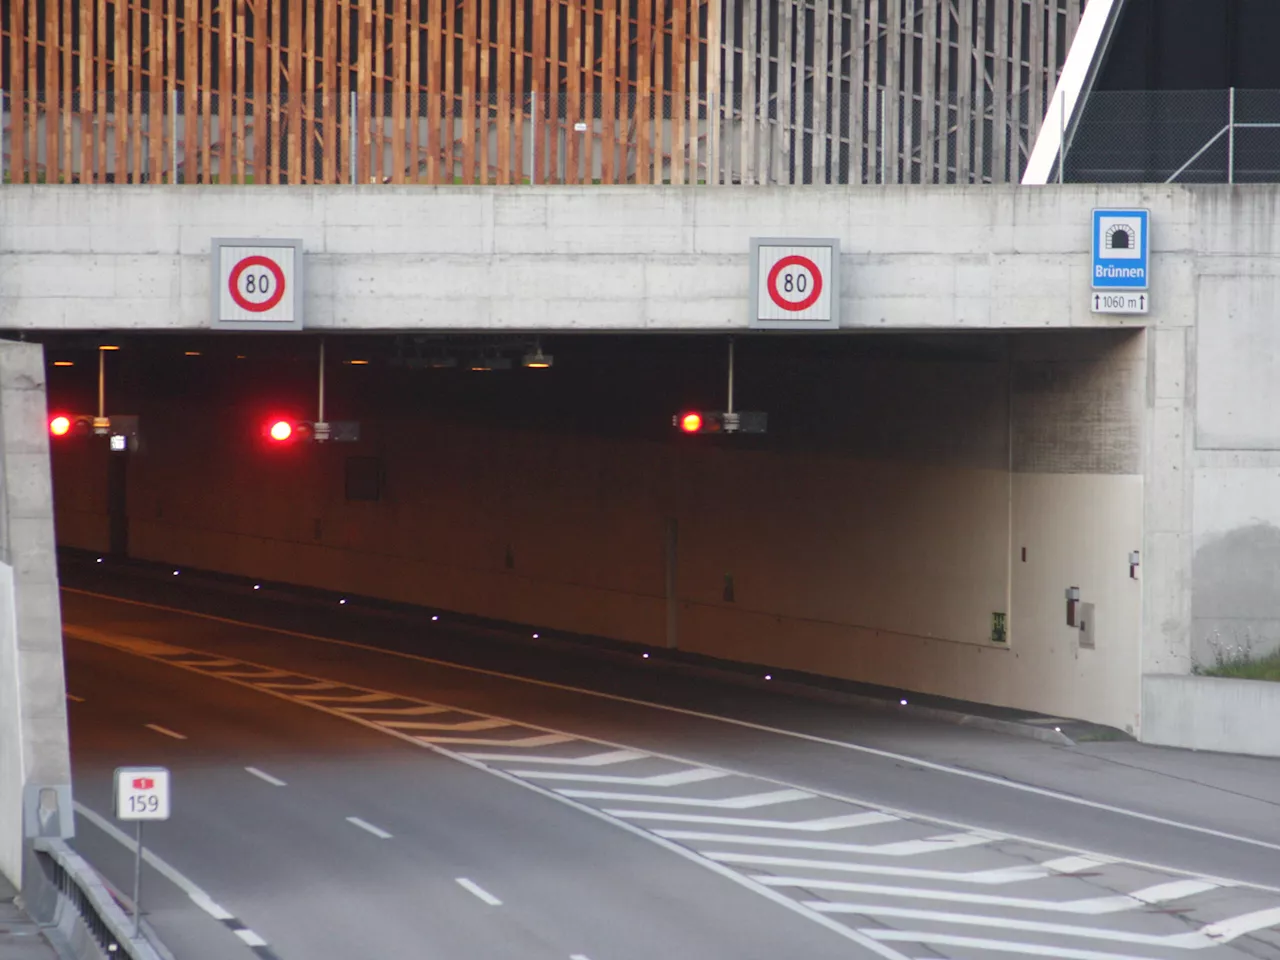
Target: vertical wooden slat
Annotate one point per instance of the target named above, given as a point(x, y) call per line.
point(223, 108)
point(295, 94)
point(713, 92)
point(893, 88)
point(909, 91)
point(587, 26)
point(136, 92)
point(378, 111)
point(365, 85)
point(855, 98)
point(414, 92)
point(875, 122)
point(87, 163)
point(331, 97)
point(662, 91)
point(573, 76)
point(730, 75)
point(52, 91)
point(17, 167)
point(625, 111)
point(504, 102)
point(691, 43)
point(1035, 116)
point(239, 98)
point(434, 69)
point(343, 88)
point(644, 91)
point(554, 96)
point(964, 115)
point(155, 92)
point(470, 43)
point(518, 91)
point(540, 91)
point(270, 133)
point(120, 100)
point(399, 80)
point(980, 98)
point(205, 164)
point(750, 98)
point(929, 93)
point(837, 107)
point(171, 84)
point(101, 104)
point(258, 106)
point(1000, 63)
point(785, 129)
point(450, 90)
point(32, 105)
point(764, 145)
point(67, 105)
point(801, 101)
point(608, 92)
point(821, 82)
point(1017, 57)
point(947, 109)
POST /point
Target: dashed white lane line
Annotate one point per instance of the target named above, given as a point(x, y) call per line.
point(274, 781)
point(364, 825)
point(251, 938)
point(72, 696)
point(166, 731)
point(478, 891)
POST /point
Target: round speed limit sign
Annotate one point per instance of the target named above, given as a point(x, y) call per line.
point(256, 284)
point(795, 283)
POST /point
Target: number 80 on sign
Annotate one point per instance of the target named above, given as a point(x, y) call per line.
point(257, 284)
point(795, 284)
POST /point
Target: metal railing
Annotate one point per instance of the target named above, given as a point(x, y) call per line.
point(1177, 136)
point(79, 888)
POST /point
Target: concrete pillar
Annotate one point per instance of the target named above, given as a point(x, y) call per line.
point(35, 763)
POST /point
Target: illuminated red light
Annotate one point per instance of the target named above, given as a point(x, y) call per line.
point(281, 430)
point(691, 422)
point(60, 426)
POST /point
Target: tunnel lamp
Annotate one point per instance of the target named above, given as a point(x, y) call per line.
point(491, 363)
point(903, 702)
point(342, 601)
point(357, 363)
point(108, 347)
point(192, 353)
point(175, 573)
point(442, 363)
point(768, 676)
point(538, 360)
point(535, 636)
point(257, 586)
point(646, 656)
point(64, 363)
point(99, 559)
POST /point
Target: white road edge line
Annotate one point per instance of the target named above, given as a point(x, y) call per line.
point(198, 896)
point(274, 781)
point(579, 956)
point(764, 728)
point(879, 809)
point(364, 825)
point(476, 890)
point(251, 938)
point(166, 731)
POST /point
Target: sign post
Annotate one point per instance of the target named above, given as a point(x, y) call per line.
point(795, 284)
point(141, 793)
point(1121, 272)
point(257, 284)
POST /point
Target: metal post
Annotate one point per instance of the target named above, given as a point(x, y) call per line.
point(137, 885)
point(729, 409)
point(354, 136)
point(320, 417)
point(1062, 135)
point(101, 383)
point(884, 140)
point(173, 175)
point(2, 153)
point(1231, 138)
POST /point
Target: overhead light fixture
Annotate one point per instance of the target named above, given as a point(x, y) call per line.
point(357, 363)
point(193, 353)
point(239, 356)
point(538, 360)
point(441, 363)
point(491, 363)
point(108, 347)
point(64, 363)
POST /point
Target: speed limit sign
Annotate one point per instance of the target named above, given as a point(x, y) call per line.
point(795, 284)
point(257, 284)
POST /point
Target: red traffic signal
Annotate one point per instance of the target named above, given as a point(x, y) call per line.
point(60, 426)
point(697, 421)
point(70, 425)
point(282, 431)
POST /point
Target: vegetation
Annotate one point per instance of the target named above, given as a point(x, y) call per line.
point(1238, 661)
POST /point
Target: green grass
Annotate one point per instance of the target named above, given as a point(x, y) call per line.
point(1247, 668)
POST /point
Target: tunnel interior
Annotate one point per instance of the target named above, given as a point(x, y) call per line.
point(911, 517)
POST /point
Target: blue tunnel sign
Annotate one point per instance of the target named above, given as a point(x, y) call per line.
point(1121, 249)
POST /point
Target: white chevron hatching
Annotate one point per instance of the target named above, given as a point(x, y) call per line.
point(748, 802)
point(696, 775)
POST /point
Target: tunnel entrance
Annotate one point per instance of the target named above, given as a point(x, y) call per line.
point(916, 515)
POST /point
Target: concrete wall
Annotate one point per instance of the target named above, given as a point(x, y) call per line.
point(33, 722)
point(882, 558)
point(1212, 713)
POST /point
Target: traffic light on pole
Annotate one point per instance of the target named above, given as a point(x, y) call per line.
point(71, 425)
point(698, 421)
point(286, 431)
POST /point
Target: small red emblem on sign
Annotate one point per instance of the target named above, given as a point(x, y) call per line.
point(143, 783)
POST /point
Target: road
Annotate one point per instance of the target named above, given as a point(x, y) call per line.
point(610, 827)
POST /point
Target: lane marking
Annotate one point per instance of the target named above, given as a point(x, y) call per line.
point(900, 848)
point(272, 673)
point(552, 737)
point(746, 724)
point(1090, 906)
point(696, 775)
point(579, 956)
point(1001, 946)
point(165, 730)
point(478, 891)
point(725, 873)
point(251, 938)
point(996, 876)
point(313, 685)
point(416, 711)
point(594, 760)
point(747, 802)
point(364, 825)
point(72, 696)
point(274, 781)
point(821, 825)
point(466, 726)
point(345, 698)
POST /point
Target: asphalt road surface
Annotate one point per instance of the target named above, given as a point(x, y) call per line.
point(392, 798)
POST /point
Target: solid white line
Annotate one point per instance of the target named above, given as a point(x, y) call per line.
point(165, 730)
point(594, 760)
point(901, 848)
point(274, 781)
point(72, 696)
point(272, 674)
point(749, 802)
point(376, 831)
point(479, 891)
point(696, 775)
point(1090, 906)
point(746, 724)
point(542, 740)
point(1224, 931)
point(342, 698)
point(419, 711)
point(198, 896)
point(1001, 946)
point(466, 726)
point(579, 956)
point(995, 876)
point(251, 938)
point(821, 825)
point(313, 685)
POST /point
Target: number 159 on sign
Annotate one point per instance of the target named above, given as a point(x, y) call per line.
point(142, 793)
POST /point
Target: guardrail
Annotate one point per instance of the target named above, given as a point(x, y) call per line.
point(81, 891)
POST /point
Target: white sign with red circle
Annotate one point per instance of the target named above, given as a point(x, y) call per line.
point(795, 284)
point(256, 284)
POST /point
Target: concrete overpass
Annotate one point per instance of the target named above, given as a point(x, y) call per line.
point(1077, 439)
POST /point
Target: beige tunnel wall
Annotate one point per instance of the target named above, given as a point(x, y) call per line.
point(881, 559)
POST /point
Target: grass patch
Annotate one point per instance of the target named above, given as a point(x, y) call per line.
point(1245, 667)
